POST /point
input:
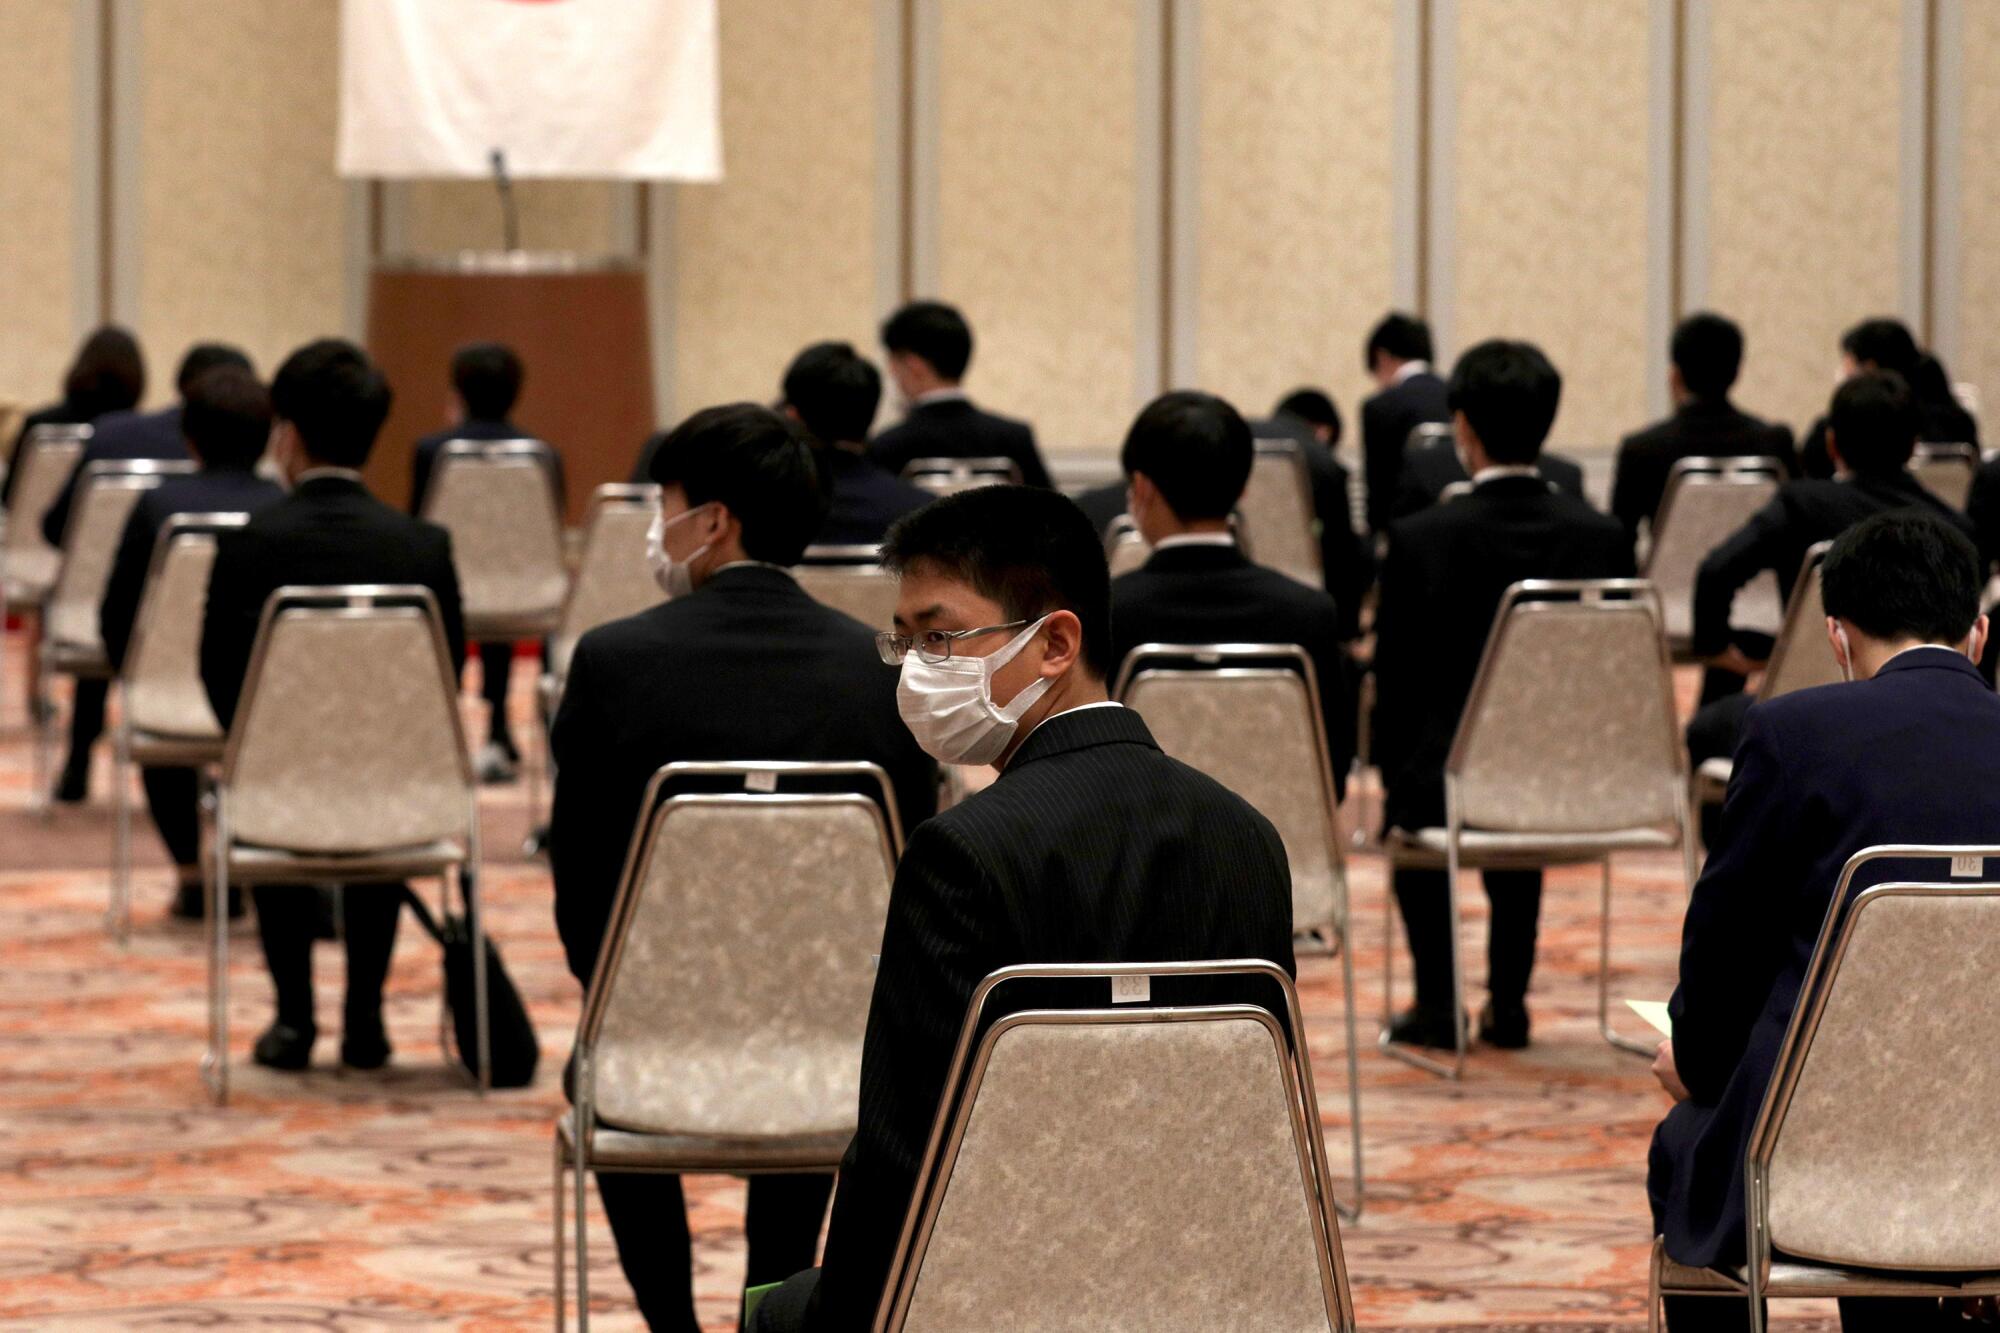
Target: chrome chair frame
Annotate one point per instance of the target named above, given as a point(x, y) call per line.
point(1706, 471)
point(575, 1129)
point(20, 528)
point(1424, 433)
point(961, 1087)
point(343, 601)
point(948, 476)
point(1754, 1282)
point(1626, 591)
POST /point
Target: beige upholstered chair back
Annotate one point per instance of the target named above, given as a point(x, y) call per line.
point(1085, 1186)
point(1426, 433)
point(1802, 659)
point(1257, 730)
point(163, 690)
point(1706, 501)
point(858, 587)
point(498, 500)
point(612, 578)
point(733, 991)
point(347, 737)
point(1128, 551)
point(1946, 471)
point(1276, 513)
point(1881, 1138)
point(104, 498)
point(949, 476)
point(1570, 727)
point(11, 416)
point(47, 457)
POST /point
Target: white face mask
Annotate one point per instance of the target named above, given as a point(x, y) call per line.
point(948, 706)
point(675, 577)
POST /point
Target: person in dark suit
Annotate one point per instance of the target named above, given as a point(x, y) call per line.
point(739, 663)
point(833, 392)
point(107, 375)
point(1446, 572)
point(226, 418)
point(1428, 470)
point(1092, 846)
point(929, 345)
point(1398, 355)
point(329, 402)
point(1909, 753)
point(120, 436)
point(1347, 559)
point(1888, 344)
point(485, 385)
point(1188, 457)
point(1707, 354)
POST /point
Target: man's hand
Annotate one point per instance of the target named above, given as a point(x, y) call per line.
point(1665, 1071)
point(1732, 659)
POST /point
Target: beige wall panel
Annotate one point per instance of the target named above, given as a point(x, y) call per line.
point(1804, 209)
point(240, 217)
point(1037, 231)
point(1294, 229)
point(1549, 222)
point(782, 252)
point(37, 199)
point(441, 216)
point(1979, 213)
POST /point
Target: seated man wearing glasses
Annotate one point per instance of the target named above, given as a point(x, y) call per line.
point(1091, 846)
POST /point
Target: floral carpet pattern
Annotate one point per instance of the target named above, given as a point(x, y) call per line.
point(342, 1201)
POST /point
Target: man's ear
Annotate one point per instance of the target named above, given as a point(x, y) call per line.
point(1063, 633)
point(1980, 629)
point(1839, 643)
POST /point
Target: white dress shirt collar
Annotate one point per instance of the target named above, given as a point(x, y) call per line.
point(1501, 471)
point(1196, 539)
point(338, 473)
point(1409, 368)
point(949, 394)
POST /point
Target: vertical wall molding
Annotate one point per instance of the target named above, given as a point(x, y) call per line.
point(1181, 363)
point(1438, 201)
point(90, 299)
point(1947, 328)
point(1152, 195)
point(1667, 29)
point(1697, 98)
point(1409, 163)
point(922, 20)
point(892, 154)
point(121, 207)
point(1915, 169)
point(662, 273)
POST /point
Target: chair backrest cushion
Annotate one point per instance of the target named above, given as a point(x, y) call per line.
point(163, 691)
point(1802, 658)
point(45, 463)
point(1701, 511)
point(1278, 516)
point(506, 537)
point(96, 525)
point(612, 578)
point(866, 592)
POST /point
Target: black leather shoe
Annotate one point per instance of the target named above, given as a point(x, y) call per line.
point(191, 902)
point(74, 786)
point(1504, 1027)
point(284, 1047)
point(364, 1047)
point(1424, 1027)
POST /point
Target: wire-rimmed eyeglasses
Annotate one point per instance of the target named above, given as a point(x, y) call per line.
point(933, 645)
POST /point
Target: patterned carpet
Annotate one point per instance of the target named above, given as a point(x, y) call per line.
point(1513, 1201)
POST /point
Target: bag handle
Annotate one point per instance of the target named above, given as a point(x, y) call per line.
point(421, 910)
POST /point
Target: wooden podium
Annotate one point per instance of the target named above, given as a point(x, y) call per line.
point(580, 327)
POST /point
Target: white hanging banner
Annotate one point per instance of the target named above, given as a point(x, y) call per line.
point(625, 89)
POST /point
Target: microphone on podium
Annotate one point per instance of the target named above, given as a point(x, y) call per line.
point(510, 220)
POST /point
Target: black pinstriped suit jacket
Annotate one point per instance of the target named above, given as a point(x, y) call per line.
point(1093, 846)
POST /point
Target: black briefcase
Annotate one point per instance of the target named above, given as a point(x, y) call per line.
point(510, 1034)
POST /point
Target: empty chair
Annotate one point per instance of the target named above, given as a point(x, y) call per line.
point(850, 579)
point(356, 777)
point(948, 476)
point(28, 564)
point(1835, 1206)
point(721, 1031)
point(1568, 751)
point(497, 498)
point(1249, 717)
point(1946, 470)
point(1074, 1178)
point(1276, 522)
point(165, 719)
point(1706, 501)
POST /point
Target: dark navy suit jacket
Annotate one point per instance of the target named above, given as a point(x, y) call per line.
point(1911, 756)
point(118, 436)
point(954, 428)
point(864, 499)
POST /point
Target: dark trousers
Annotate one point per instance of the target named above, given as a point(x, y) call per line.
point(286, 921)
point(1516, 899)
point(174, 797)
point(86, 723)
point(1858, 1314)
point(1712, 733)
point(648, 1215)
point(496, 672)
point(784, 1310)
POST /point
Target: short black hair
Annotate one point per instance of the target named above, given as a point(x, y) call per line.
point(204, 357)
point(336, 399)
point(487, 377)
point(835, 391)
point(1708, 352)
point(226, 416)
point(1905, 574)
point(1196, 448)
point(934, 331)
point(1509, 393)
point(1030, 550)
point(1405, 337)
point(1874, 421)
point(1315, 407)
point(108, 373)
point(759, 465)
point(1884, 343)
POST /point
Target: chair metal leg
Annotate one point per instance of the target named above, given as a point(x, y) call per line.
point(1616, 1039)
point(580, 1178)
point(40, 799)
point(1455, 1069)
point(561, 1234)
point(120, 915)
point(215, 1066)
point(1655, 1302)
point(475, 917)
point(1353, 1213)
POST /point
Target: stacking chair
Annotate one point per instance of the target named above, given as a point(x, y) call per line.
point(612, 578)
point(1567, 752)
point(1871, 1167)
point(1124, 548)
point(1426, 433)
point(1946, 470)
point(721, 1031)
point(28, 564)
point(72, 644)
point(355, 776)
point(948, 476)
point(1122, 1165)
point(1706, 501)
point(1800, 660)
point(1276, 523)
point(850, 579)
point(1249, 717)
point(164, 716)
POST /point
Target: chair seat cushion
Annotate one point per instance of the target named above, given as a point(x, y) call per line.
point(1481, 850)
point(615, 1149)
point(158, 749)
point(76, 659)
point(271, 865)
